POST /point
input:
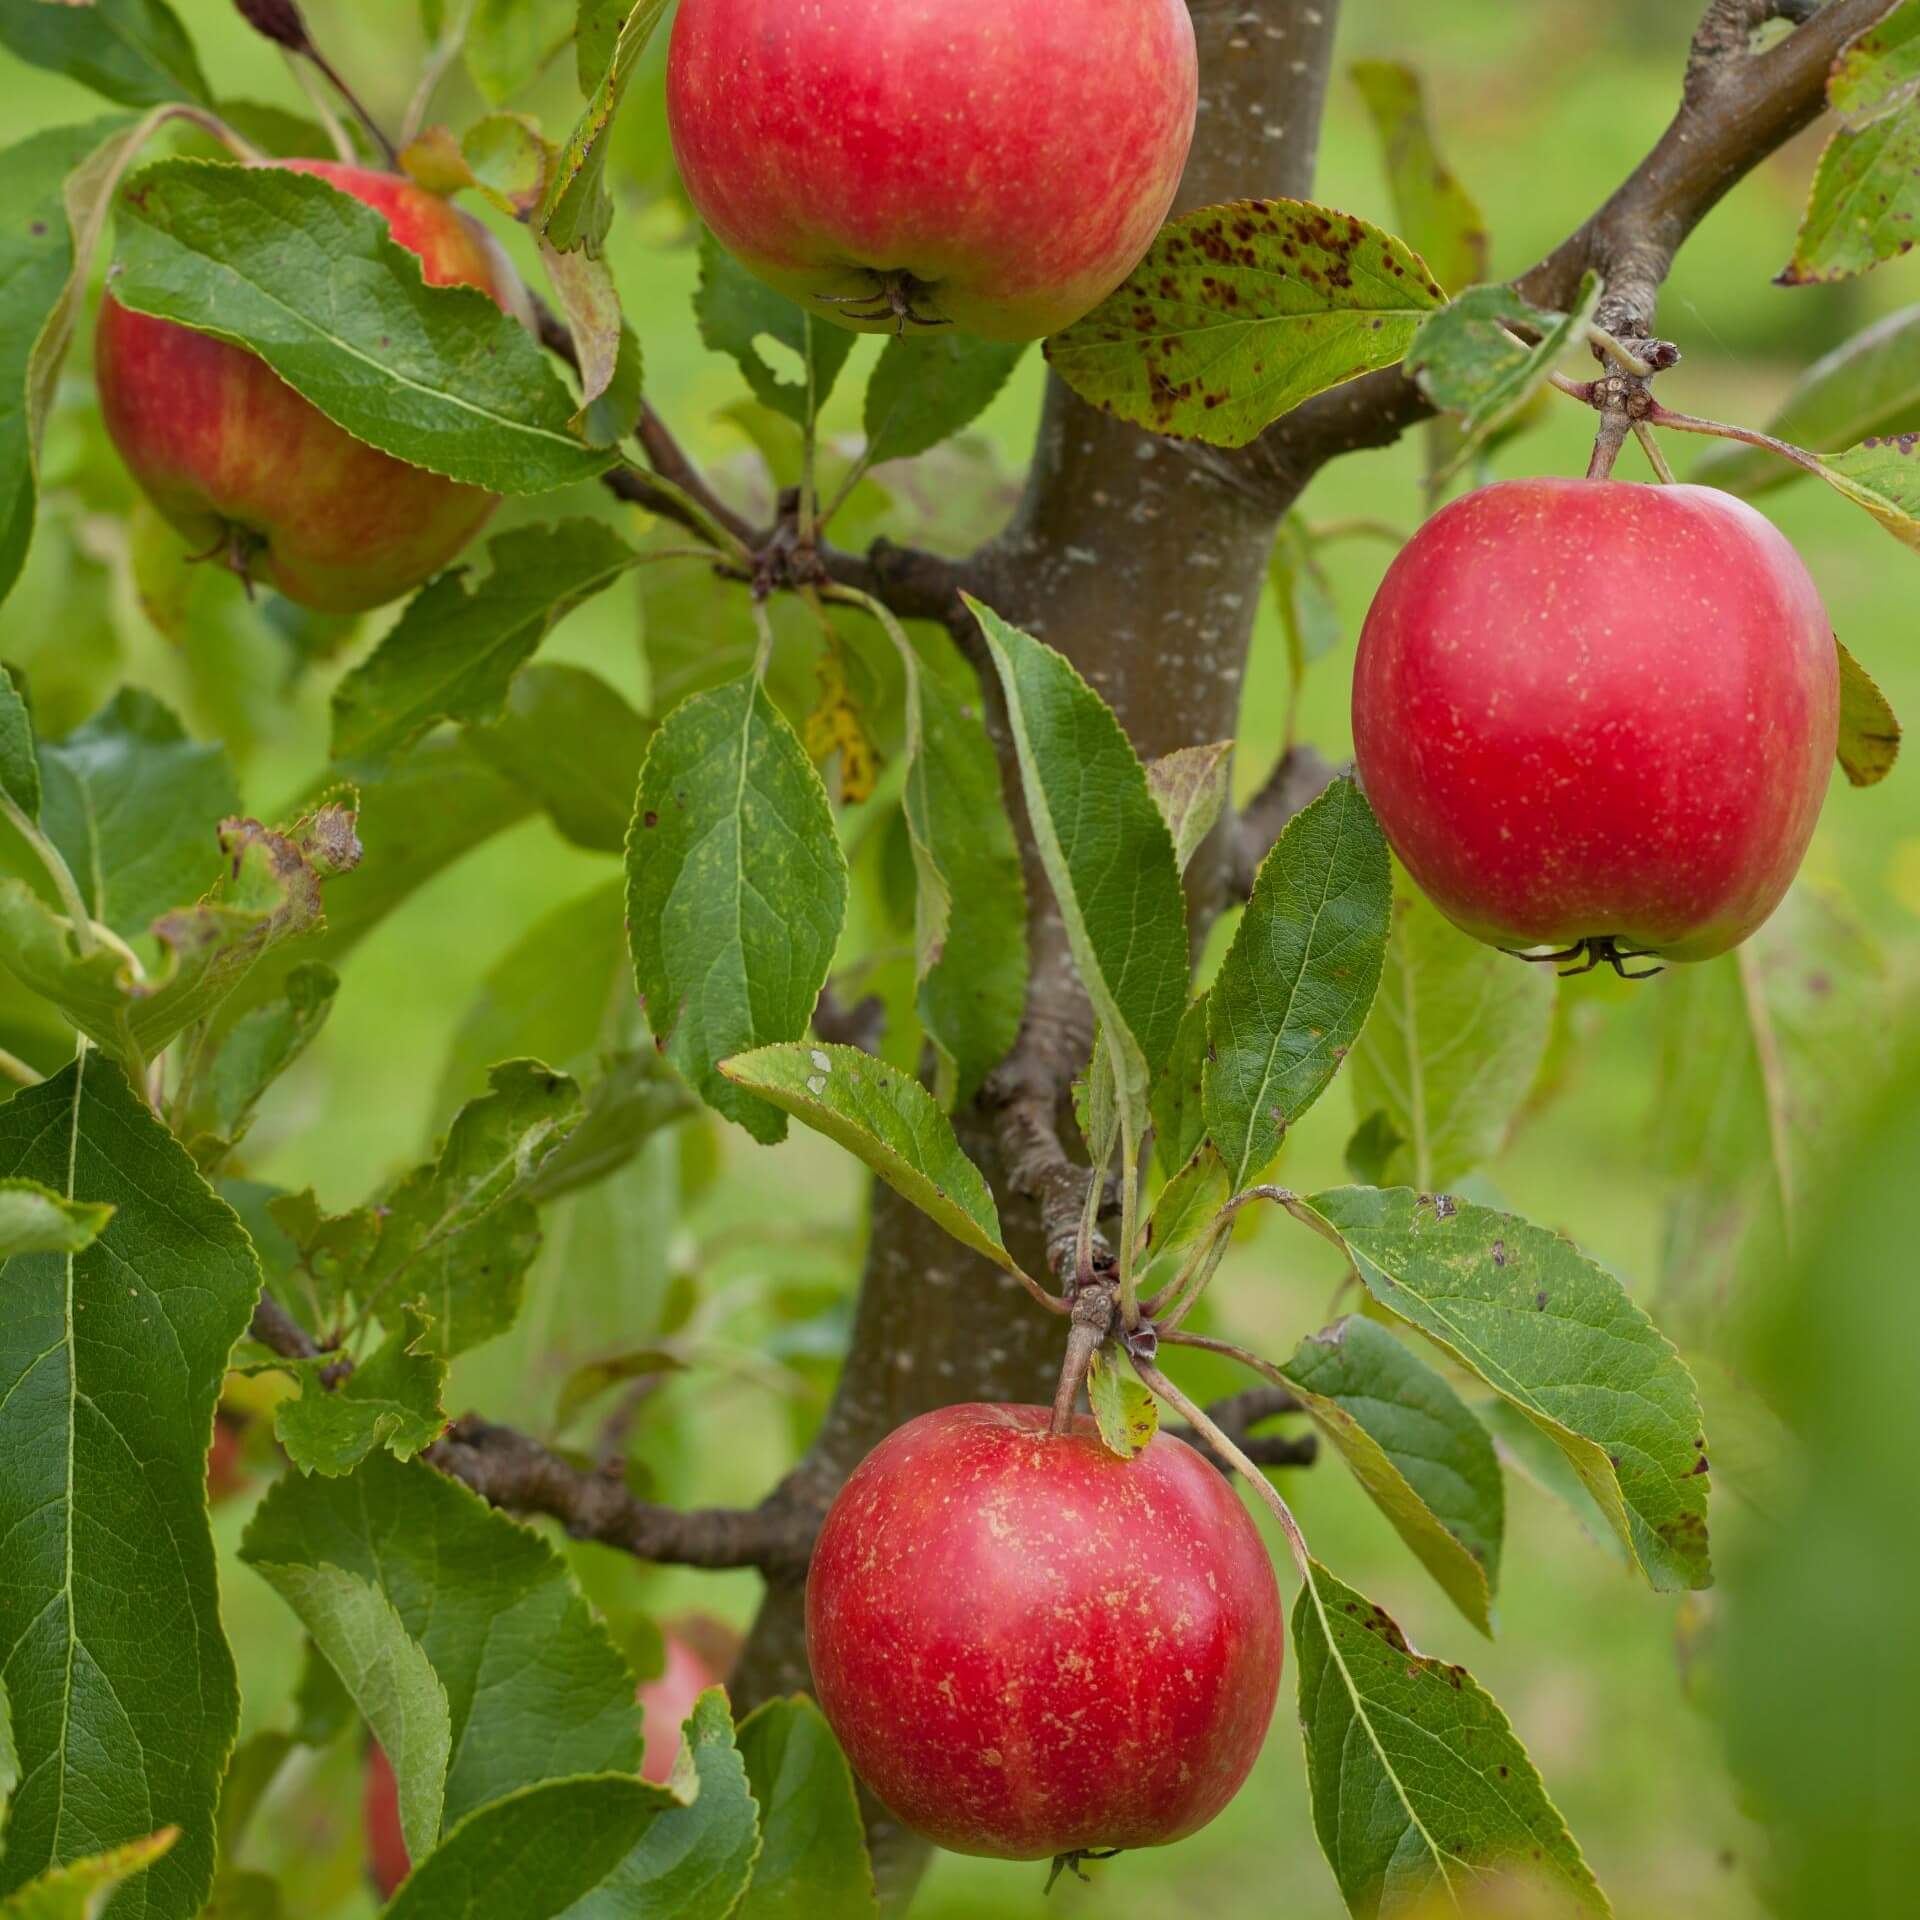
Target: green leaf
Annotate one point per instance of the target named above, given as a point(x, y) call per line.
point(1371, 1148)
point(391, 1400)
point(1882, 475)
point(1294, 989)
point(135, 52)
point(970, 901)
point(1240, 312)
point(1870, 385)
point(1468, 361)
point(1865, 198)
point(133, 805)
point(1187, 1206)
point(736, 888)
point(577, 211)
point(886, 1119)
point(926, 388)
point(1558, 1336)
point(611, 1845)
point(1104, 846)
point(508, 42)
point(535, 1689)
point(1416, 1448)
point(230, 1072)
point(35, 1219)
point(1523, 1449)
point(1879, 73)
point(1452, 1050)
point(9, 1756)
point(110, 1365)
point(387, 1675)
point(37, 255)
point(1422, 1794)
point(310, 280)
point(1127, 1415)
point(271, 895)
point(632, 1096)
point(455, 651)
point(736, 312)
point(1869, 732)
point(458, 1234)
point(813, 1844)
point(1179, 1094)
point(572, 742)
point(80, 1891)
point(1431, 208)
point(1761, 1053)
point(1190, 787)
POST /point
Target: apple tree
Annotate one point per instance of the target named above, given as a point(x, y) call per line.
point(931, 838)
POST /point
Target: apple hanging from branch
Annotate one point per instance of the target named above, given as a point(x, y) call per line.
point(995, 165)
point(259, 478)
point(1598, 718)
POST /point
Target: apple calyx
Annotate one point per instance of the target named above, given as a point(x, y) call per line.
point(1601, 949)
point(1075, 1864)
point(892, 295)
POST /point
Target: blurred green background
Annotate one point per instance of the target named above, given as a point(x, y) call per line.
point(1542, 105)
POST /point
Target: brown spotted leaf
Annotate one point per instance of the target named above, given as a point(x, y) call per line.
point(1882, 475)
point(1240, 312)
point(1869, 732)
point(1865, 198)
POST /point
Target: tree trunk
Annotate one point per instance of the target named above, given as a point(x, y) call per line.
point(1144, 562)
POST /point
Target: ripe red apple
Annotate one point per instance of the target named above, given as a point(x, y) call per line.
point(227, 1475)
point(1597, 715)
point(380, 1814)
point(247, 469)
point(997, 164)
point(1030, 1647)
point(699, 1654)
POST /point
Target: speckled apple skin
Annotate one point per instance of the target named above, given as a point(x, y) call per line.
point(1588, 708)
point(1029, 1646)
point(217, 440)
point(1016, 156)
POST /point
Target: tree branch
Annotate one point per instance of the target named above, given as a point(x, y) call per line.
point(1238, 1415)
point(509, 1470)
point(1737, 108)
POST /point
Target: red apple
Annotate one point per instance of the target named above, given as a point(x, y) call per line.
point(247, 469)
point(1598, 716)
point(227, 1475)
point(997, 164)
point(699, 1654)
point(380, 1814)
point(1030, 1647)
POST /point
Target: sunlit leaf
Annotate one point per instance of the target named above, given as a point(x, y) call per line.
point(1869, 732)
point(1864, 201)
point(887, 1119)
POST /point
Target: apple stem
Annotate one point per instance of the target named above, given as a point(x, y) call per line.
point(1217, 1437)
point(1093, 1308)
point(1607, 443)
point(1655, 458)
